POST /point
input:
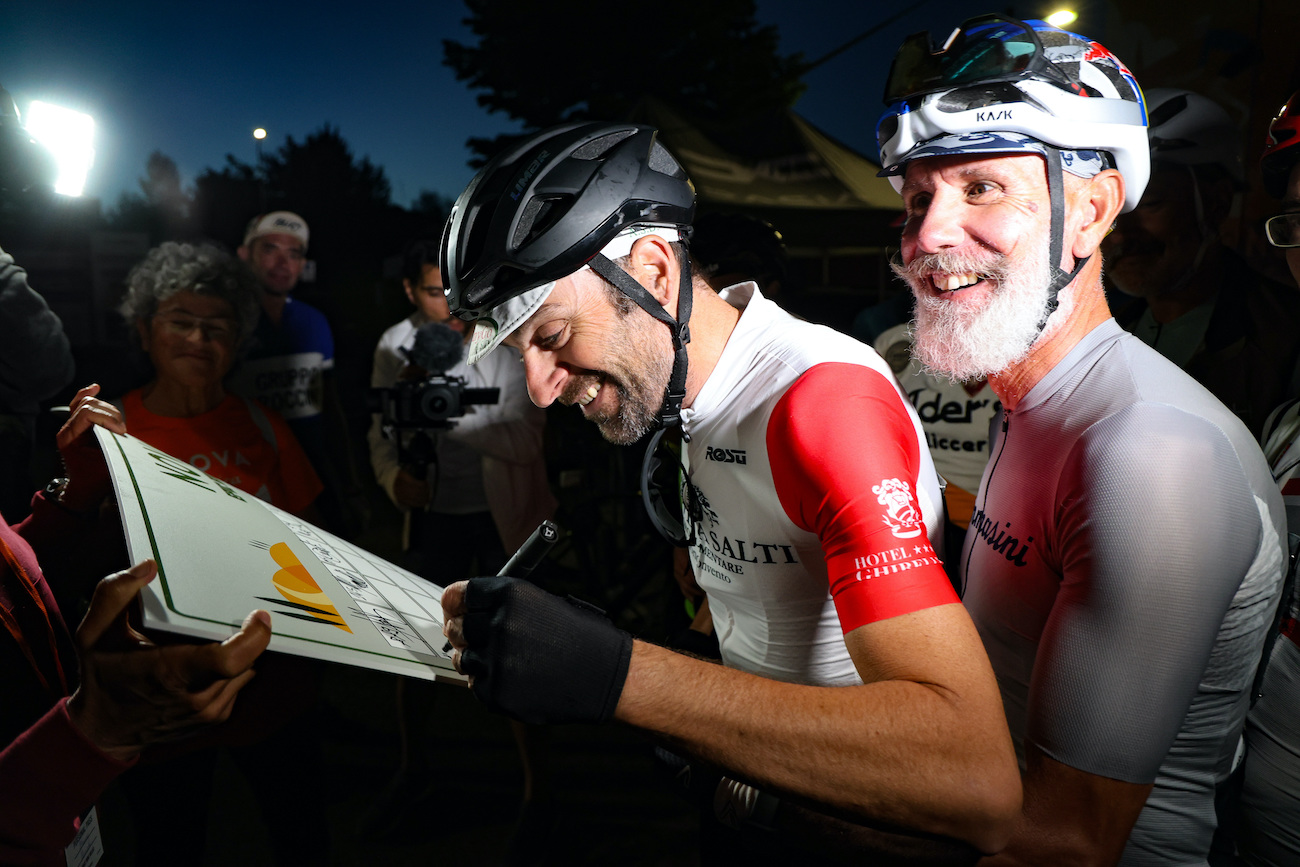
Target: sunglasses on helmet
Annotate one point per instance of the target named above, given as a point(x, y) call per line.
point(986, 49)
point(671, 501)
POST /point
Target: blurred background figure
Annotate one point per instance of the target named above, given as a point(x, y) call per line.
point(193, 308)
point(1270, 826)
point(1189, 296)
point(733, 248)
point(469, 497)
point(35, 362)
point(289, 366)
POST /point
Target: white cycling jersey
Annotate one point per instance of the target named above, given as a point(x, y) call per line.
point(819, 498)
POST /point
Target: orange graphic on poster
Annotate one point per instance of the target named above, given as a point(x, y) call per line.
point(296, 584)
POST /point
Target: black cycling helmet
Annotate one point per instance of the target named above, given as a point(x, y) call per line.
point(545, 207)
point(548, 207)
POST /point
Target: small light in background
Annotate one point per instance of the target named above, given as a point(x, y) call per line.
point(1061, 18)
point(69, 135)
point(259, 133)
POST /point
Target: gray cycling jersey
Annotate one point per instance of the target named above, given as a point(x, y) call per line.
point(1122, 566)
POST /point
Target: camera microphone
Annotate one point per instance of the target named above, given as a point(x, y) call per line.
point(437, 348)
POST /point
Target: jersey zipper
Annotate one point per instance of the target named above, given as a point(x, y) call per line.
point(979, 507)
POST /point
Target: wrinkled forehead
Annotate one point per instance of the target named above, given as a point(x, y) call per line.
point(926, 170)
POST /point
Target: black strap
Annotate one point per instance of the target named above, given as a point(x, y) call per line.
point(1056, 195)
point(671, 414)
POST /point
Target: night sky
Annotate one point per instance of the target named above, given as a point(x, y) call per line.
point(193, 80)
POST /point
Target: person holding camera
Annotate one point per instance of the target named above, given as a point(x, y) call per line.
point(484, 482)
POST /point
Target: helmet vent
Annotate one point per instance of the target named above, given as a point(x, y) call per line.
point(662, 161)
point(536, 218)
point(981, 96)
point(596, 148)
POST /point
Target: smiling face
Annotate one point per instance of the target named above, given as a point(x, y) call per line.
point(190, 339)
point(585, 346)
point(975, 254)
point(276, 260)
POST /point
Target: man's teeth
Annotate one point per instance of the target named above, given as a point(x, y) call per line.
point(587, 398)
point(953, 282)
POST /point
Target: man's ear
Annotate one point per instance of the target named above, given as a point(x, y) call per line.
point(653, 265)
point(410, 291)
point(1096, 205)
point(242, 252)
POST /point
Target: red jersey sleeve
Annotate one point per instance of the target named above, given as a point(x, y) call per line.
point(845, 461)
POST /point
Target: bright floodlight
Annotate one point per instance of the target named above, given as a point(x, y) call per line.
point(1061, 18)
point(69, 135)
point(259, 133)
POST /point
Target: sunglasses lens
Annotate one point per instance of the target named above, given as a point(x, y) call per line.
point(986, 48)
point(667, 493)
point(1283, 230)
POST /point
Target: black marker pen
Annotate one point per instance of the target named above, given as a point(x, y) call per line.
point(525, 560)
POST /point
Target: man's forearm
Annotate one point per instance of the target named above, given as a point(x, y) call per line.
point(896, 751)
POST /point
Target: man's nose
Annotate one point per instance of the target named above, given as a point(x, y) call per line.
point(940, 227)
point(545, 378)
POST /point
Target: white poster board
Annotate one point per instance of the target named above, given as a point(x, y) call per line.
point(222, 553)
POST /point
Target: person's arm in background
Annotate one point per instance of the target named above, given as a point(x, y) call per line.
point(35, 356)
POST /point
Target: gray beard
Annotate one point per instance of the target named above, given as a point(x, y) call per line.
point(968, 344)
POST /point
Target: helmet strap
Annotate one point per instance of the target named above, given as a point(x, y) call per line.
point(671, 414)
point(1056, 196)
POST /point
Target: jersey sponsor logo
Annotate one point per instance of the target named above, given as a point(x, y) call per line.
point(724, 456)
point(937, 409)
point(901, 513)
point(995, 535)
point(954, 444)
point(894, 560)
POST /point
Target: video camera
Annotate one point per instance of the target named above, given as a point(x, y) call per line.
point(428, 403)
point(436, 400)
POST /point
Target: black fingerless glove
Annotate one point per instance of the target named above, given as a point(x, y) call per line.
point(539, 658)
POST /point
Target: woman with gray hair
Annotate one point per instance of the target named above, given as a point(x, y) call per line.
point(193, 307)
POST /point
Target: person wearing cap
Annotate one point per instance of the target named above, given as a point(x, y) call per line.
point(289, 366)
point(1269, 832)
point(1179, 288)
point(852, 678)
point(1126, 550)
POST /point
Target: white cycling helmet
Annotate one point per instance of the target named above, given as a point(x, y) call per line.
point(1027, 78)
point(1000, 85)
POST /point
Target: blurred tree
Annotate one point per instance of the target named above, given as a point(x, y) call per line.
point(162, 207)
point(582, 59)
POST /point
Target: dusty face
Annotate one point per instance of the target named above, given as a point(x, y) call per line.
point(191, 339)
point(975, 255)
point(276, 260)
point(1155, 246)
point(579, 348)
point(430, 299)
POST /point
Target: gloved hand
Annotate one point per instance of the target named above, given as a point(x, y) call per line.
point(534, 656)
